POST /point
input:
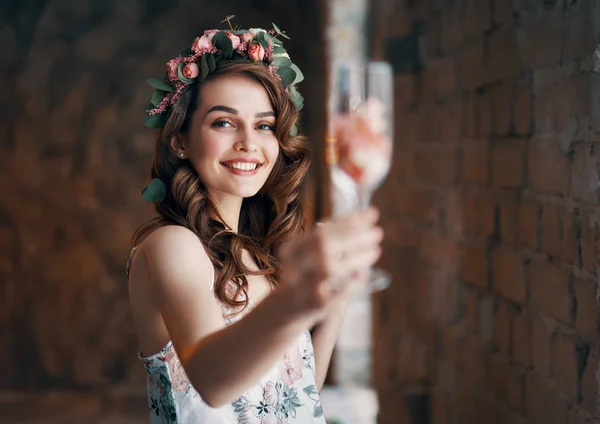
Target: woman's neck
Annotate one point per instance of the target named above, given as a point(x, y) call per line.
point(229, 207)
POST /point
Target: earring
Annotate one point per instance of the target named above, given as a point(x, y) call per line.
point(181, 155)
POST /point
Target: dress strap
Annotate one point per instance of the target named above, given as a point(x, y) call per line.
point(129, 261)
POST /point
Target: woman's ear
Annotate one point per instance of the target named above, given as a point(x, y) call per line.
point(177, 144)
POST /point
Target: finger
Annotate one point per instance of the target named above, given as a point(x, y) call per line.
point(359, 261)
point(349, 244)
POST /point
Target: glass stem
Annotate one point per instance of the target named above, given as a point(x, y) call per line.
point(364, 198)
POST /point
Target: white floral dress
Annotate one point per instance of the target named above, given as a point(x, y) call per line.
point(286, 394)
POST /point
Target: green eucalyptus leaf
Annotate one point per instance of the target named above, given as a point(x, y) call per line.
point(203, 68)
point(299, 75)
point(160, 84)
point(279, 50)
point(274, 40)
point(284, 36)
point(182, 77)
point(262, 39)
point(239, 31)
point(155, 192)
point(222, 42)
point(294, 131)
point(296, 97)
point(276, 28)
point(187, 52)
point(282, 61)
point(287, 75)
point(211, 62)
point(157, 97)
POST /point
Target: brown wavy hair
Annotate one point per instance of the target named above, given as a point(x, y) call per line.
point(266, 219)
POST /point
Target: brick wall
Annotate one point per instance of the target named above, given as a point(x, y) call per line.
point(491, 212)
point(74, 156)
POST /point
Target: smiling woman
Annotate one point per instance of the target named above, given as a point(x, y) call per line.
point(224, 284)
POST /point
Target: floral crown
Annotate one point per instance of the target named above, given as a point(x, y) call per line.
point(220, 46)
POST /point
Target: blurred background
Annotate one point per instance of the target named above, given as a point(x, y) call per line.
point(490, 210)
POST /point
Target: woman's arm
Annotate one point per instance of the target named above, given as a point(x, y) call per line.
point(222, 362)
point(324, 337)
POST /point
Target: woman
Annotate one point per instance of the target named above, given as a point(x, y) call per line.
point(224, 285)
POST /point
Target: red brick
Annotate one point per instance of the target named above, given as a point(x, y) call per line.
point(478, 210)
point(590, 238)
point(529, 214)
point(507, 382)
point(589, 383)
point(545, 155)
point(509, 210)
point(508, 273)
point(541, 37)
point(544, 405)
point(439, 407)
point(473, 359)
point(550, 290)
point(450, 121)
point(522, 110)
point(504, 54)
point(579, 417)
point(579, 32)
point(565, 366)
point(476, 161)
point(452, 27)
point(587, 318)
point(541, 346)
point(502, 99)
point(445, 74)
point(501, 328)
point(562, 102)
point(502, 10)
point(483, 103)
point(437, 165)
point(508, 163)
point(585, 173)
point(470, 304)
point(439, 251)
point(558, 234)
point(474, 263)
point(521, 339)
point(404, 92)
point(418, 203)
point(477, 19)
point(472, 65)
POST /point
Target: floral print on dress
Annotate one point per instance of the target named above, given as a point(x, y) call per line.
point(278, 404)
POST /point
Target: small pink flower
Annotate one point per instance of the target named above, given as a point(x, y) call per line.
point(190, 70)
point(256, 52)
point(270, 394)
point(235, 40)
point(202, 44)
point(172, 69)
point(242, 46)
point(247, 37)
point(291, 367)
point(246, 417)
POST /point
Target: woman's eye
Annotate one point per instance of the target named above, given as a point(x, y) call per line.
point(265, 127)
point(221, 124)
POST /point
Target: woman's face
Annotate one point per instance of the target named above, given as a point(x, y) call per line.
point(232, 144)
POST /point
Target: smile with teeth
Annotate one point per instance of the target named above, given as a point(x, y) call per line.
point(242, 166)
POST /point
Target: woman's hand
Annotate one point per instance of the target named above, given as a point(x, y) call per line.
point(331, 262)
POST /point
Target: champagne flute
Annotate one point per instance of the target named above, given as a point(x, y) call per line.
point(359, 140)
